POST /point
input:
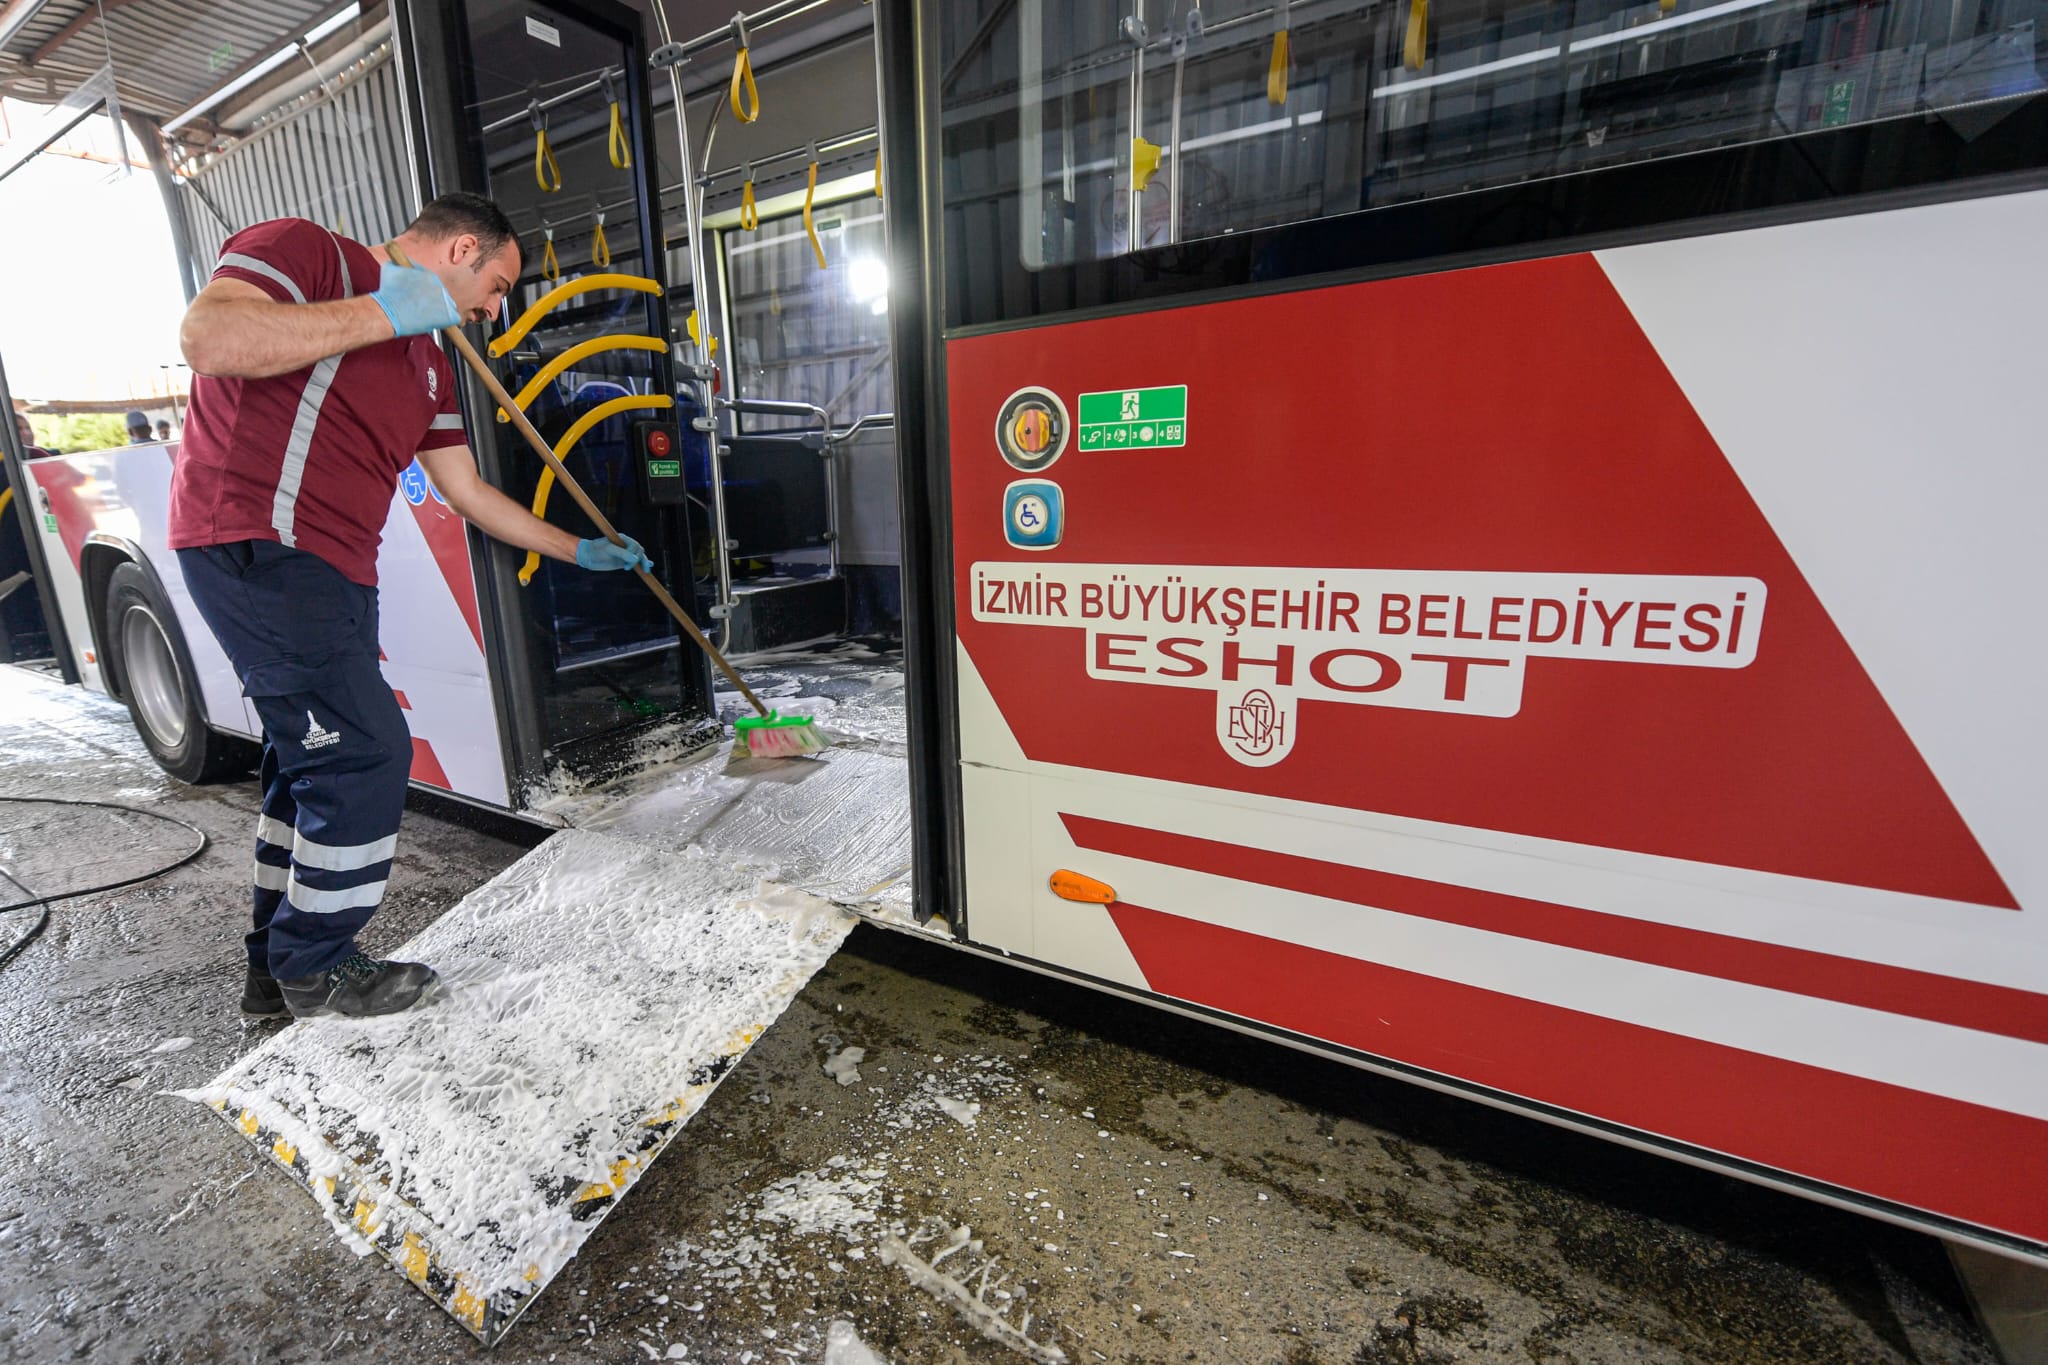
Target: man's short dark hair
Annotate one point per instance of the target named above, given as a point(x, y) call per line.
point(453, 215)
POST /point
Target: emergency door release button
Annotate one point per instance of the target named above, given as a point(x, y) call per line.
point(1032, 429)
point(1034, 514)
point(1072, 886)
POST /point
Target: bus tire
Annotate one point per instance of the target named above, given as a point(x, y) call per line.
point(146, 656)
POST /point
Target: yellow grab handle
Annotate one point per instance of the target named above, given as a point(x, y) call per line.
point(1413, 51)
point(559, 295)
point(1144, 162)
point(616, 145)
point(811, 228)
point(690, 325)
point(878, 172)
point(550, 268)
point(600, 249)
point(743, 75)
point(1276, 70)
point(544, 162)
point(630, 403)
point(750, 216)
point(582, 350)
point(6, 496)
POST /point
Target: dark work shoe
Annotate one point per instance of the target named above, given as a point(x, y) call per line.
point(358, 986)
point(261, 993)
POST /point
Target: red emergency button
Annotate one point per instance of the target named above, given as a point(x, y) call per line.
point(657, 442)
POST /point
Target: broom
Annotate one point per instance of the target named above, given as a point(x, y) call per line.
point(766, 733)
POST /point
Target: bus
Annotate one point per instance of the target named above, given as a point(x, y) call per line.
point(1490, 543)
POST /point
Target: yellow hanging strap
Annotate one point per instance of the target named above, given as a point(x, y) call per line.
point(544, 166)
point(810, 194)
point(750, 215)
point(878, 172)
point(746, 111)
point(616, 146)
point(1667, 5)
point(631, 402)
point(1413, 50)
point(1276, 70)
point(550, 268)
point(560, 295)
point(600, 249)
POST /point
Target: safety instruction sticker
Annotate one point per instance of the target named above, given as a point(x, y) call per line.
point(1134, 419)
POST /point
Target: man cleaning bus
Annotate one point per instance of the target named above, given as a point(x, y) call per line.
point(316, 384)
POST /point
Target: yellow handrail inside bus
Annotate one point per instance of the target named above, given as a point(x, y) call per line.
point(811, 193)
point(582, 350)
point(559, 295)
point(1416, 47)
point(631, 402)
point(6, 496)
point(878, 172)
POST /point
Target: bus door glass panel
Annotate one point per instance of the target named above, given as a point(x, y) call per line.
point(611, 645)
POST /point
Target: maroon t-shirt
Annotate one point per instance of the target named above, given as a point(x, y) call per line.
point(310, 458)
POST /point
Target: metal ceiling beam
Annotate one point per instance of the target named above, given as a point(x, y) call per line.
point(16, 16)
point(74, 28)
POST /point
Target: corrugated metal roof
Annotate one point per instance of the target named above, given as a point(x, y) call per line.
point(166, 53)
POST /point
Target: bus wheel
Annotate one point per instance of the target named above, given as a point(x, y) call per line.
point(148, 658)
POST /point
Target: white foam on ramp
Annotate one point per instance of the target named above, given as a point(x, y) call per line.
point(596, 993)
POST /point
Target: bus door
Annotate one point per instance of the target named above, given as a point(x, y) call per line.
point(545, 109)
point(1371, 615)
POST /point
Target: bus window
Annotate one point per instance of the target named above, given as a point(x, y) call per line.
point(810, 335)
point(1374, 103)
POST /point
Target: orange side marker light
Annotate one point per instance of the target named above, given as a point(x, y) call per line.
point(1072, 886)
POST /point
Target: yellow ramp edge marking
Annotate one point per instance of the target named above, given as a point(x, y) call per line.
point(247, 1123)
point(467, 1306)
point(283, 1151)
point(414, 1260)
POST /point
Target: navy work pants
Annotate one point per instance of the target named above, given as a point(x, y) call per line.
point(336, 752)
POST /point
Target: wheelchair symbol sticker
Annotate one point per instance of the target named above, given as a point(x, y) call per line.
point(1033, 514)
point(417, 487)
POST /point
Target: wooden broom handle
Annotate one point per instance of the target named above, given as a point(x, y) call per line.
point(568, 481)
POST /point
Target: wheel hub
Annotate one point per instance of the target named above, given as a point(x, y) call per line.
point(153, 681)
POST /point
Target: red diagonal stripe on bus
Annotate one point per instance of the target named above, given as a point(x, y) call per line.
point(1945, 1155)
point(426, 767)
point(1850, 981)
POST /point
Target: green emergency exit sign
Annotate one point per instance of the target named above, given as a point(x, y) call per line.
point(1134, 419)
point(665, 469)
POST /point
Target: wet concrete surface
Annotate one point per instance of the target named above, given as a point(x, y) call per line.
point(1147, 1188)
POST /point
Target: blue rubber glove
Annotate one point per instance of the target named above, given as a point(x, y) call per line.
point(415, 301)
point(600, 554)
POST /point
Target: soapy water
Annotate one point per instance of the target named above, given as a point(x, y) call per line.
point(591, 988)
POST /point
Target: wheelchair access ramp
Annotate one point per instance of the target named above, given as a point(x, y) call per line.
point(595, 993)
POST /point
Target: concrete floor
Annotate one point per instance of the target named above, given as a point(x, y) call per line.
point(1156, 1189)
